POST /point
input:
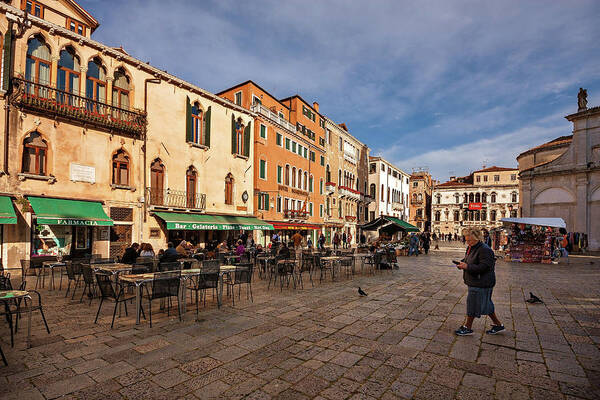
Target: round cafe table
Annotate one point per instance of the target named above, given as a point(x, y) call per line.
point(16, 295)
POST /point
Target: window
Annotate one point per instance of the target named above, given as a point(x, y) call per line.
point(263, 201)
point(420, 197)
point(513, 197)
point(483, 197)
point(341, 144)
point(456, 215)
point(478, 178)
point(438, 198)
point(372, 189)
point(196, 116)
point(415, 184)
point(229, 181)
point(278, 204)
point(321, 186)
point(322, 161)
point(240, 137)
point(237, 98)
point(312, 156)
point(287, 175)
point(305, 152)
point(477, 198)
point(496, 178)
point(263, 131)
point(383, 167)
point(305, 181)
point(191, 180)
point(279, 139)
point(33, 7)
point(279, 173)
point(68, 75)
point(513, 177)
point(310, 184)
point(293, 176)
point(310, 209)
point(37, 68)
point(287, 143)
point(382, 193)
point(372, 168)
point(457, 198)
point(293, 147)
point(120, 168)
point(493, 198)
point(35, 154)
point(513, 213)
point(120, 91)
point(493, 215)
point(437, 216)
point(300, 149)
point(321, 210)
point(157, 182)
point(471, 198)
point(485, 179)
point(75, 26)
point(262, 174)
point(256, 100)
point(95, 81)
point(322, 141)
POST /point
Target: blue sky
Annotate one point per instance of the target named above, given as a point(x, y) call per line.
point(445, 84)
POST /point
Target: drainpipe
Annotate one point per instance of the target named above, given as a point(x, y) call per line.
point(8, 56)
point(157, 81)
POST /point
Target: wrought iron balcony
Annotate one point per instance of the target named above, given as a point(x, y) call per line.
point(51, 101)
point(295, 214)
point(274, 117)
point(176, 199)
point(349, 193)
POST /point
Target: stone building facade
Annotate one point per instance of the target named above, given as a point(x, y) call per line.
point(561, 178)
point(421, 186)
point(346, 181)
point(389, 190)
point(479, 199)
point(109, 141)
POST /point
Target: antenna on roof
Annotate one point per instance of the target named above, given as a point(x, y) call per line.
point(485, 161)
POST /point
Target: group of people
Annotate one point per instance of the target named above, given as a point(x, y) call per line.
point(417, 242)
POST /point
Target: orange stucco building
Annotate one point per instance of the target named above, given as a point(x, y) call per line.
point(288, 160)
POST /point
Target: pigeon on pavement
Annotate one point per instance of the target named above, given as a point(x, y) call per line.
point(360, 291)
point(533, 299)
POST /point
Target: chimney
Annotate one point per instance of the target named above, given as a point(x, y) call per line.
point(316, 106)
point(452, 178)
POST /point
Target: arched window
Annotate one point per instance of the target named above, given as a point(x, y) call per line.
point(438, 198)
point(120, 168)
point(465, 198)
point(483, 215)
point(456, 215)
point(513, 197)
point(191, 181)
point(457, 198)
point(239, 137)
point(476, 215)
point(305, 180)
point(95, 81)
point(157, 182)
point(229, 181)
point(299, 179)
point(465, 215)
point(293, 176)
point(483, 197)
point(493, 215)
point(372, 189)
point(287, 175)
point(419, 197)
point(493, 198)
point(197, 124)
point(471, 198)
point(120, 91)
point(327, 174)
point(68, 74)
point(37, 67)
point(437, 216)
point(340, 178)
point(477, 198)
point(35, 155)
point(420, 213)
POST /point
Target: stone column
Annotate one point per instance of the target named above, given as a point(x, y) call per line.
point(526, 200)
point(581, 204)
point(109, 87)
point(82, 81)
point(54, 71)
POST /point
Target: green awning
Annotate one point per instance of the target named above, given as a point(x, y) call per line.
point(211, 222)
point(69, 212)
point(403, 224)
point(7, 211)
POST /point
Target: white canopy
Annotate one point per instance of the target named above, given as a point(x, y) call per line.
point(553, 222)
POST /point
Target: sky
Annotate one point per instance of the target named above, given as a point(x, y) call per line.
point(446, 85)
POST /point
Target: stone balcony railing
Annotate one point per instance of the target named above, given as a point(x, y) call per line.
point(365, 198)
point(329, 187)
point(349, 193)
point(273, 116)
point(54, 102)
point(397, 206)
point(176, 199)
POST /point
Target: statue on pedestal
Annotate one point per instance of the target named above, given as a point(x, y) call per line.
point(582, 100)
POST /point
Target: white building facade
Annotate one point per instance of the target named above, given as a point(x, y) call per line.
point(480, 199)
point(389, 187)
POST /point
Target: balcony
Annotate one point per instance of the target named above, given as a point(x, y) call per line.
point(415, 201)
point(397, 206)
point(51, 101)
point(273, 117)
point(176, 199)
point(295, 214)
point(329, 187)
point(367, 199)
point(349, 193)
point(350, 218)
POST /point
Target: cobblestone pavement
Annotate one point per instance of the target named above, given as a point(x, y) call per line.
point(327, 342)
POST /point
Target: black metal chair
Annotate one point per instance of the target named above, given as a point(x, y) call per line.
point(373, 261)
point(149, 262)
point(139, 269)
point(88, 280)
point(107, 291)
point(169, 266)
point(102, 260)
point(74, 275)
point(242, 275)
point(38, 307)
point(164, 285)
point(347, 263)
point(208, 279)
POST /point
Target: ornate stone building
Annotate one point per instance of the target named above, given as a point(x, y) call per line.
point(389, 187)
point(561, 178)
point(421, 186)
point(480, 199)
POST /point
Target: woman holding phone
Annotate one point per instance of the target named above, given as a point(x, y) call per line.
point(479, 275)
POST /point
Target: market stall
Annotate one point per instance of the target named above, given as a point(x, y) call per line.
point(533, 240)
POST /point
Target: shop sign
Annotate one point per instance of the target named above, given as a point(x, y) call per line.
point(475, 206)
point(213, 227)
point(82, 173)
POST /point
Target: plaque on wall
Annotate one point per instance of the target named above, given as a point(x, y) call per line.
point(154, 232)
point(82, 173)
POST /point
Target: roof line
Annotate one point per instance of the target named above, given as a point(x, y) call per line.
point(255, 84)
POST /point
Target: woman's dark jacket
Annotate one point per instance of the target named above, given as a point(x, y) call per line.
point(481, 264)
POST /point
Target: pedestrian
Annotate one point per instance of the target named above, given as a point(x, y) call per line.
point(336, 240)
point(240, 249)
point(321, 241)
point(344, 238)
point(426, 242)
point(297, 239)
point(487, 239)
point(309, 243)
point(479, 275)
point(363, 238)
point(130, 254)
point(413, 245)
point(349, 239)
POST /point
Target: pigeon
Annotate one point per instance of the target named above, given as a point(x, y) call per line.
point(360, 291)
point(533, 299)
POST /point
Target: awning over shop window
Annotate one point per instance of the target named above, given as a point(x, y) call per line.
point(294, 226)
point(69, 212)
point(385, 220)
point(194, 222)
point(7, 211)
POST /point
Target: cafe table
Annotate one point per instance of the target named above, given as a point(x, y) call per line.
point(9, 295)
point(362, 257)
point(332, 260)
point(51, 265)
point(266, 259)
point(113, 269)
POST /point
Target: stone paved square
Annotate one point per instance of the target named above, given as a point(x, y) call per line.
point(326, 342)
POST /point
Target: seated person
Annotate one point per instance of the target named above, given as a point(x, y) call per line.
point(170, 253)
point(284, 251)
point(131, 254)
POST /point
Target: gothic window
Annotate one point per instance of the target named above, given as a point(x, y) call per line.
point(229, 181)
point(120, 168)
point(120, 91)
point(95, 81)
point(191, 181)
point(35, 154)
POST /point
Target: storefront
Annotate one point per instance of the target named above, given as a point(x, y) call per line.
point(7, 216)
point(208, 229)
point(287, 229)
point(533, 240)
point(390, 228)
point(68, 227)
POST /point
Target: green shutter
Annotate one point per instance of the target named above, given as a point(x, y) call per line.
point(262, 169)
point(188, 120)
point(310, 184)
point(267, 202)
point(247, 140)
point(233, 149)
point(260, 201)
point(7, 57)
point(207, 127)
point(310, 209)
point(279, 170)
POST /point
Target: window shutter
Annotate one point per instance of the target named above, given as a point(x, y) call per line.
point(266, 205)
point(260, 201)
point(7, 59)
point(233, 147)
point(207, 127)
point(188, 120)
point(247, 140)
